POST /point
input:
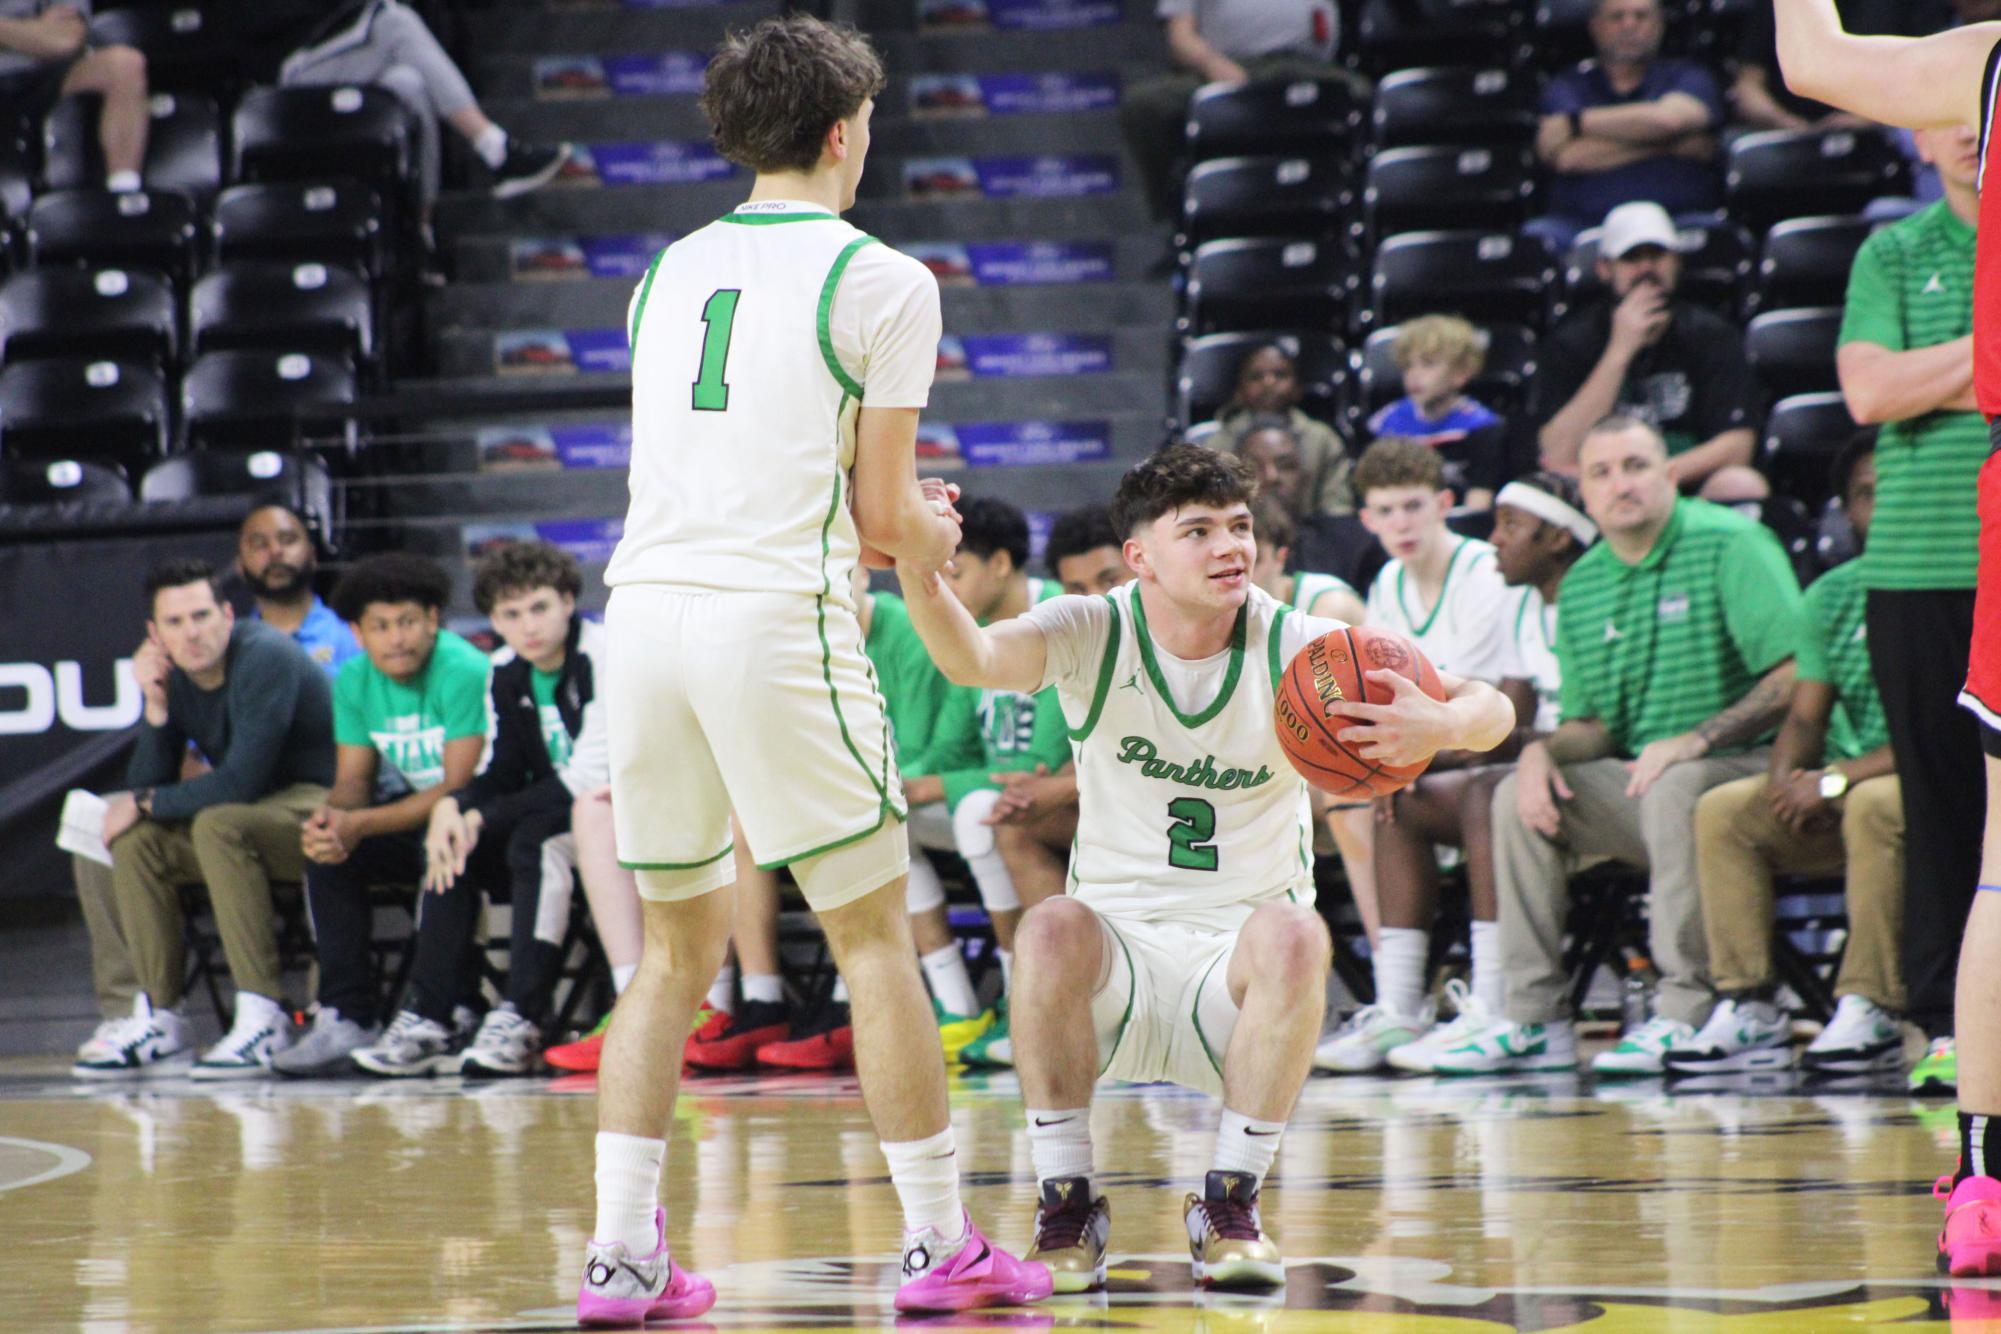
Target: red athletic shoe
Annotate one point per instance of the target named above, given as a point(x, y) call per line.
point(830, 1046)
point(734, 1044)
point(1970, 1244)
point(582, 1055)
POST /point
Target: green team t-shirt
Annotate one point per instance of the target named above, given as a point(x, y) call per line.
point(409, 723)
point(554, 735)
point(1653, 650)
point(1912, 287)
point(912, 686)
point(1835, 650)
point(1012, 731)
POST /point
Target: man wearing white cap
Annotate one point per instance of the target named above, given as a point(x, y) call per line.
point(1675, 365)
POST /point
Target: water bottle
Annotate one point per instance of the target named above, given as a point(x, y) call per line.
point(1636, 1001)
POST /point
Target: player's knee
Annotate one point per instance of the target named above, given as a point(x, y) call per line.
point(1289, 944)
point(1057, 934)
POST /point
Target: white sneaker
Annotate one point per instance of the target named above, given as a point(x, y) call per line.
point(324, 1048)
point(1740, 1035)
point(262, 1030)
point(99, 1043)
point(145, 1042)
point(1506, 1047)
point(411, 1045)
point(1644, 1050)
point(1472, 1017)
point(1363, 1043)
point(1862, 1038)
point(506, 1044)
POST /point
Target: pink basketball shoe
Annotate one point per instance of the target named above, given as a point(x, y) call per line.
point(621, 1289)
point(978, 1273)
point(1969, 1246)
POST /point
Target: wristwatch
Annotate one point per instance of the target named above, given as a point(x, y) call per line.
point(1833, 785)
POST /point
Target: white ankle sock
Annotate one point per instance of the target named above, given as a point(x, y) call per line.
point(1244, 1144)
point(621, 977)
point(722, 992)
point(768, 988)
point(840, 990)
point(628, 1176)
point(945, 969)
point(1490, 982)
point(122, 182)
point(491, 145)
point(1400, 955)
point(1007, 968)
point(926, 1176)
point(1059, 1142)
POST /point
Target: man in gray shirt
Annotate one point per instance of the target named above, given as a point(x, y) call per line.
point(45, 54)
point(258, 708)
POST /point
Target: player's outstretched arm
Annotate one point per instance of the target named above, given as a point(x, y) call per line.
point(1413, 726)
point(1010, 655)
point(1916, 82)
point(892, 513)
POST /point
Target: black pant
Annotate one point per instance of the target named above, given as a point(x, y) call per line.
point(1919, 642)
point(533, 964)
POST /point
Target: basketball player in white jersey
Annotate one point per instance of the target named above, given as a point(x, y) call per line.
point(779, 360)
point(1190, 893)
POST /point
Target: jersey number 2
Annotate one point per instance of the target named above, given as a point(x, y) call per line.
point(1189, 848)
point(712, 394)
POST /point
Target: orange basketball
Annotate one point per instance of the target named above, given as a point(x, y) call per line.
point(1327, 674)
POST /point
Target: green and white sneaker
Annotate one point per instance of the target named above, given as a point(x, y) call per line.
point(1471, 1017)
point(1741, 1035)
point(991, 1049)
point(1644, 1050)
point(1938, 1072)
point(1506, 1047)
point(1366, 1040)
point(1862, 1038)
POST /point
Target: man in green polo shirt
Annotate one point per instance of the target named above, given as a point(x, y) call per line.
point(1676, 642)
point(1906, 361)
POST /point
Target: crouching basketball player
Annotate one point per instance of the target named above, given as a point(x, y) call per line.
point(1189, 918)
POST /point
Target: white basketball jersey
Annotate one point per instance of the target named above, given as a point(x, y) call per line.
point(1309, 587)
point(754, 341)
point(1466, 631)
point(1190, 810)
point(1532, 642)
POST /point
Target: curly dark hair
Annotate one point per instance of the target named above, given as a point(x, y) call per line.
point(392, 577)
point(1397, 460)
point(1180, 475)
point(987, 525)
point(513, 568)
point(1078, 531)
point(772, 93)
point(179, 572)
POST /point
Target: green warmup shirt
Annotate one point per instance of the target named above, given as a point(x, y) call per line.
point(1912, 287)
point(986, 732)
point(1655, 649)
point(913, 688)
point(1835, 649)
point(554, 734)
point(409, 723)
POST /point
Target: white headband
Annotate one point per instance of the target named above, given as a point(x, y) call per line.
point(1550, 509)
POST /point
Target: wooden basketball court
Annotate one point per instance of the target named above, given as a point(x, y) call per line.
point(1525, 1203)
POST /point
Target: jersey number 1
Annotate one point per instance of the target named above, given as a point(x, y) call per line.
point(712, 394)
point(1189, 848)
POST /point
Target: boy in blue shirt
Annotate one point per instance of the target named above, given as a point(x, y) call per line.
point(1439, 355)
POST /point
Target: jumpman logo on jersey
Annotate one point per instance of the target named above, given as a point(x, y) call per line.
point(1932, 286)
point(1132, 683)
point(1612, 632)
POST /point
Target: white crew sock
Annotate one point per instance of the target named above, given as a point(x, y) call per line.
point(491, 145)
point(628, 1176)
point(926, 1175)
point(1059, 1143)
point(722, 991)
point(945, 970)
point(122, 182)
point(1244, 1144)
point(1400, 955)
point(1007, 968)
point(766, 987)
point(621, 977)
point(1490, 980)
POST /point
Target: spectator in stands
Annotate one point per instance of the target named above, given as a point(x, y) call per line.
point(1906, 363)
point(1439, 355)
point(1539, 533)
point(410, 727)
point(275, 558)
point(1221, 41)
point(261, 712)
point(1268, 383)
point(1676, 647)
point(1628, 125)
point(1084, 552)
point(45, 55)
point(1647, 354)
point(1313, 592)
point(1830, 798)
point(550, 746)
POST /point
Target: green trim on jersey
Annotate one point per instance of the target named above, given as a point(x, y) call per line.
point(1105, 668)
point(773, 219)
point(1271, 648)
point(1132, 994)
point(1236, 668)
point(1195, 1017)
point(678, 866)
point(882, 818)
point(827, 659)
point(824, 319)
point(639, 306)
point(1444, 586)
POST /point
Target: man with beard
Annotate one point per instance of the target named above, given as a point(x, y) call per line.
point(275, 557)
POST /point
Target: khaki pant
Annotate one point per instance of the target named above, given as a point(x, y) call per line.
point(1740, 845)
point(1655, 834)
point(110, 962)
point(237, 851)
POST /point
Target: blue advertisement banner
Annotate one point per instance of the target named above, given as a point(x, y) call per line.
point(1017, 356)
point(668, 74)
point(1016, 264)
point(561, 351)
point(1011, 177)
point(538, 258)
point(660, 162)
point(1027, 444)
point(944, 95)
point(1032, 15)
point(525, 448)
point(589, 540)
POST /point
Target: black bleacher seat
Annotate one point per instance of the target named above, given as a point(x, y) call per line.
point(297, 476)
point(1501, 384)
point(1207, 374)
point(314, 134)
point(1255, 283)
point(1398, 34)
point(1716, 267)
point(1485, 276)
point(17, 182)
point(1778, 174)
point(1806, 261)
point(61, 482)
point(98, 314)
point(1454, 105)
point(74, 407)
point(1793, 350)
point(334, 222)
point(265, 399)
point(1266, 196)
point(142, 230)
point(1559, 33)
point(1438, 186)
point(1317, 116)
point(188, 46)
point(1802, 436)
point(183, 145)
point(310, 306)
